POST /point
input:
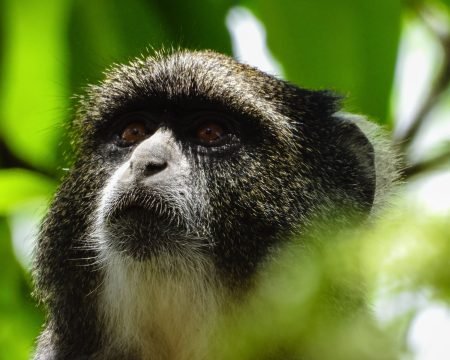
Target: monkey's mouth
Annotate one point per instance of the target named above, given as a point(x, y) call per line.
point(143, 205)
point(133, 213)
point(141, 225)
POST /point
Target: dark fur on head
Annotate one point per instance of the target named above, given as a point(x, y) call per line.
point(298, 160)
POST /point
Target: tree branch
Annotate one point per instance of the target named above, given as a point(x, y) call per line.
point(442, 32)
point(442, 159)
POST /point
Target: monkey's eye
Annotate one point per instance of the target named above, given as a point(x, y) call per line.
point(133, 133)
point(132, 128)
point(210, 133)
point(214, 130)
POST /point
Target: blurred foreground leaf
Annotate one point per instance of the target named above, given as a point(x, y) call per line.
point(314, 302)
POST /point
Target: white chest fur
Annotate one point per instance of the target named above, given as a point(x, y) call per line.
point(162, 309)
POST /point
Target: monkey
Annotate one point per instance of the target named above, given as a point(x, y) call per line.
point(190, 171)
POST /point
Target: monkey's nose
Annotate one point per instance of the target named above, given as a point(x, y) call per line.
point(153, 168)
point(145, 165)
point(152, 156)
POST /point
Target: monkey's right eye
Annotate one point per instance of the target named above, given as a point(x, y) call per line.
point(133, 133)
point(133, 128)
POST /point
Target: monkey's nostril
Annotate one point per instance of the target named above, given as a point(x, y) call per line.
point(152, 168)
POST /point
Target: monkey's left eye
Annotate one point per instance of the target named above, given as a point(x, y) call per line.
point(210, 133)
point(213, 130)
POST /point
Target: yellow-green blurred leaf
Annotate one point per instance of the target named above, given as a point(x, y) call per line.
point(18, 186)
point(34, 72)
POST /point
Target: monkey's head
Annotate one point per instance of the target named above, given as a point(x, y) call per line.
point(187, 163)
point(194, 152)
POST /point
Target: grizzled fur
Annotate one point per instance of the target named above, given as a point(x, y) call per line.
point(298, 160)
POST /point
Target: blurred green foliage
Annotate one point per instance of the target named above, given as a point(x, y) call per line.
point(51, 49)
point(312, 302)
point(19, 319)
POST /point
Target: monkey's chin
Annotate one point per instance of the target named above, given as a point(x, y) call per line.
point(140, 233)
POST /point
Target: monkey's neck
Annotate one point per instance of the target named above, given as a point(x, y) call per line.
point(165, 308)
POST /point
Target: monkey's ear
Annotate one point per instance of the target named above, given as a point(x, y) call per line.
point(361, 155)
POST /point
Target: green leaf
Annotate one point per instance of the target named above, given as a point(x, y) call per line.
point(18, 186)
point(198, 24)
point(447, 3)
point(34, 72)
point(349, 46)
point(115, 32)
point(105, 32)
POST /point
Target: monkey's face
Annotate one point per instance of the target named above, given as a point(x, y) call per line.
point(157, 198)
point(184, 179)
point(196, 153)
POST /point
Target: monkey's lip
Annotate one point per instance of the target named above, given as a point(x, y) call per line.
point(131, 209)
point(146, 206)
